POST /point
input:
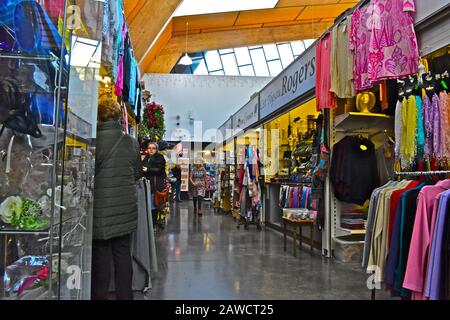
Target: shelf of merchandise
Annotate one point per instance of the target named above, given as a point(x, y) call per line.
point(362, 121)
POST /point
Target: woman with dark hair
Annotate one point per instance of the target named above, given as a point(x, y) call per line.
point(115, 204)
point(154, 169)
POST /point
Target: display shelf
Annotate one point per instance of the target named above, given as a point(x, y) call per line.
point(9, 55)
point(362, 121)
point(352, 231)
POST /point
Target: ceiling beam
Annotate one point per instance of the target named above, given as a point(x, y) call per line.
point(245, 37)
point(146, 19)
point(164, 61)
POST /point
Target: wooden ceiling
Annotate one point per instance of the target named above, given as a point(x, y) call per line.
point(289, 20)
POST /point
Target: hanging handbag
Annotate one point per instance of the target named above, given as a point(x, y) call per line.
point(161, 197)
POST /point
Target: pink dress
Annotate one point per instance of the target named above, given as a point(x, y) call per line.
point(384, 41)
point(325, 99)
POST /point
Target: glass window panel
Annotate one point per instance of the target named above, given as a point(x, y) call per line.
point(217, 73)
point(247, 71)
point(254, 47)
point(259, 62)
point(308, 42)
point(298, 47)
point(285, 54)
point(271, 52)
point(242, 56)
point(225, 51)
point(229, 65)
point(275, 67)
point(201, 68)
point(213, 60)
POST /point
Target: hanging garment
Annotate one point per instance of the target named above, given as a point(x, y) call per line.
point(431, 118)
point(393, 48)
point(342, 61)
point(385, 162)
point(398, 129)
point(378, 251)
point(354, 170)
point(406, 229)
point(434, 287)
point(359, 43)
point(384, 41)
point(409, 126)
point(420, 240)
point(420, 127)
point(394, 247)
point(445, 124)
point(324, 98)
point(370, 219)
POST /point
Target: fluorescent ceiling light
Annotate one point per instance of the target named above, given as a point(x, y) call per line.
point(191, 7)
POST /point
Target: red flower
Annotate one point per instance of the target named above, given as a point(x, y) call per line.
point(43, 273)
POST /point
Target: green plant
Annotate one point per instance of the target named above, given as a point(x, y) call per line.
point(152, 125)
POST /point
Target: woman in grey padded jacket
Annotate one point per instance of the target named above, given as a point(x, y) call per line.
point(115, 204)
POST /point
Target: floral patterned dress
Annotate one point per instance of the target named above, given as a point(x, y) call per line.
point(198, 176)
point(384, 41)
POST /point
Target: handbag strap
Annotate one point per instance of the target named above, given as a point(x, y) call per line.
point(111, 151)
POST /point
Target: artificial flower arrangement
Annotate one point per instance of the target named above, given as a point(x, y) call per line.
point(152, 125)
point(22, 213)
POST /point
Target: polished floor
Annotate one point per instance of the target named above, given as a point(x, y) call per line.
point(209, 258)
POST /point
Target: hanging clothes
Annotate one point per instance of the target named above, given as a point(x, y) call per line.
point(435, 284)
point(354, 170)
point(420, 240)
point(409, 127)
point(324, 98)
point(342, 61)
point(445, 124)
point(384, 42)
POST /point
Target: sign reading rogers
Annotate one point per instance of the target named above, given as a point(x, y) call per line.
point(298, 78)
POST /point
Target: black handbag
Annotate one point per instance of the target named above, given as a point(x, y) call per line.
point(18, 116)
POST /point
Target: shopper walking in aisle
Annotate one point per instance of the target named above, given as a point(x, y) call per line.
point(198, 182)
point(115, 204)
point(154, 169)
point(176, 172)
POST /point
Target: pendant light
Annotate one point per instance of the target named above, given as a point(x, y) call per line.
point(186, 60)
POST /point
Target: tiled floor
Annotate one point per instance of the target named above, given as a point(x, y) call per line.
point(208, 258)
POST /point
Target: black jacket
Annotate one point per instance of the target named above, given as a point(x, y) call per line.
point(354, 171)
point(156, 171)
point(115, 198)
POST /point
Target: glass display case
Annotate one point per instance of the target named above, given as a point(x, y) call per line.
point(50, 59)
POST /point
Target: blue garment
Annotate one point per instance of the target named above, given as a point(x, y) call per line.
point(132, 91)
point(420, 127)
point(295, 203)
point(118, 41)
point(303, 200)
point(392, 258)
point(250, 160)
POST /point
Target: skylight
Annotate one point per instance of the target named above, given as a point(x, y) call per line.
point(191, 7)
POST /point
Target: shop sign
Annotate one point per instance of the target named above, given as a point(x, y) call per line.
point(247, 115)
point(226, 129)
point(298, 78)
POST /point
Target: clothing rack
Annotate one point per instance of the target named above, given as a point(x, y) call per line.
point(421, 173)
